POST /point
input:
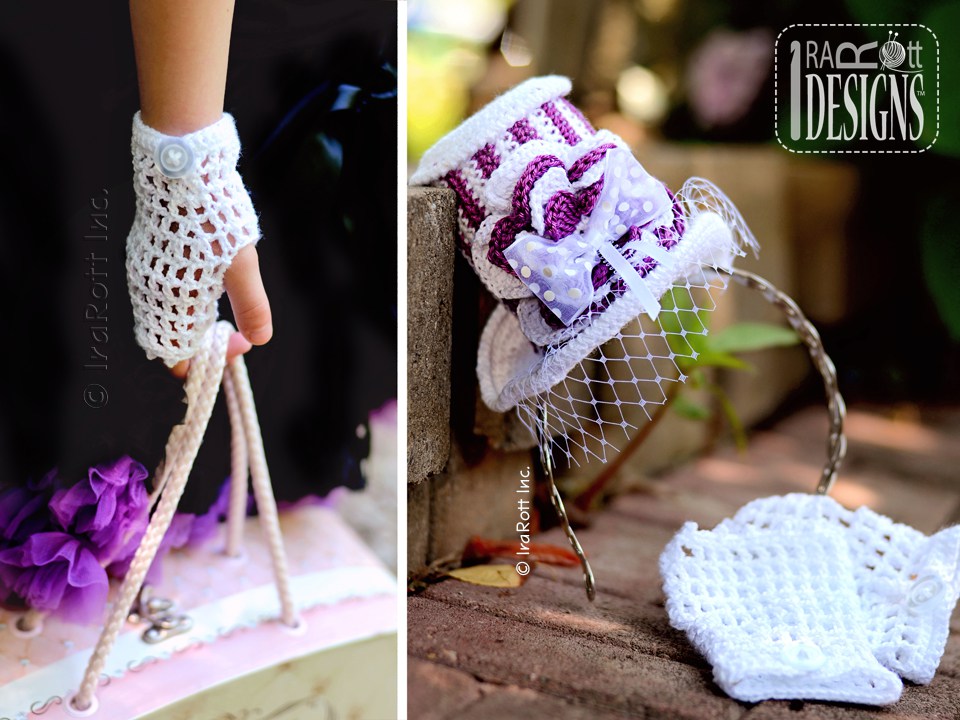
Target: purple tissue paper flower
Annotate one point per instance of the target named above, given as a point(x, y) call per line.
point(53, 571)
point(186, 529)
point(24, 510)
point(108, 510)
point(203, 527)
point(55, 543)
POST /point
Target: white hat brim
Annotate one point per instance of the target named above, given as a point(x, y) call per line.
point(511, 369)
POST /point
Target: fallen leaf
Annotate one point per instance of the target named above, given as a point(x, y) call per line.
point(479, 548)
point(489, 575)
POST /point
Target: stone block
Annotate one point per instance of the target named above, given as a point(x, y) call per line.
point(418, 527)
point(478, 499)
point(624, 554)
point(504, 431)
point(542, 650)
point(543, 602)
point(437, 692)
point(564, 664)
point(431, 218)
point(938, 701)
point(512, 703)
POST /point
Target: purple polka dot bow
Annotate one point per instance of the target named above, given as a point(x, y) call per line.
point(558, 270)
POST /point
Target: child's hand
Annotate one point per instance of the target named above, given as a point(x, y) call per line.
point(251, 307)
point(194, 221)
point(196, 226)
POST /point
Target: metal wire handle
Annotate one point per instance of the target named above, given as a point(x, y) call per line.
point(837, 409)
point(546, 462)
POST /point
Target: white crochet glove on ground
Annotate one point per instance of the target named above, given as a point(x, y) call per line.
point(775, 613)
point(193, 215)
point(908, 583)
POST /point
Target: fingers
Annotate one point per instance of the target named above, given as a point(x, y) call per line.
point(237, 345)
point(180, 369)
point(251, 308)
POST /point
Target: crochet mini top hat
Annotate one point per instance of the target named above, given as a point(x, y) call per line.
point(576, 240)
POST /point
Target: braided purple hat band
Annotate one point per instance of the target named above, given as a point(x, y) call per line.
point(465, 159)
point(529, 172)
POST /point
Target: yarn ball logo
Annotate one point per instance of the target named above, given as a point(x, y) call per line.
point(892, 54)
point(857, 88)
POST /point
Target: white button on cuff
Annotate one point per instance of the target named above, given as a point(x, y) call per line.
point(925, 590)
point(174, 158)
point(803, 655)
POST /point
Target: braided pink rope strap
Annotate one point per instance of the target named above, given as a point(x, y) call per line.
point(239, 469)
point(208, 369)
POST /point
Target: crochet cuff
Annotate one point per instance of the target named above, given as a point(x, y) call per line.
point(193, 215)
point(776, 614)
point(908, 583)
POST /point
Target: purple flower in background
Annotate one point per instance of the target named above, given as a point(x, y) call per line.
point(108, 510)
point(726, 73)
point(54, 571)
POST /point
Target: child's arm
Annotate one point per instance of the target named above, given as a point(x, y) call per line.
point(182, 48)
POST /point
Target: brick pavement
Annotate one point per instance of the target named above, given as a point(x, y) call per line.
point(543, 651)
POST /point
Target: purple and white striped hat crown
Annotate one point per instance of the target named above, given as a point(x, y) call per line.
point(567, 230)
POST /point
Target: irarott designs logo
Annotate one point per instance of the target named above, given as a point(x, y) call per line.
point(839, 90)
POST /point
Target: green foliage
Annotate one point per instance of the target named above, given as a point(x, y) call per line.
point(718, 350)
point(712, 358)
point(750, 336)
point(685, 328)
point(730, 413)
point(944, 20)
point(941, 256)
point(690, 410)
point(683, 324)
point(887, 11)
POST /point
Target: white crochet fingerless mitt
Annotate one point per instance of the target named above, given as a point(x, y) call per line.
point(908, 583)
point(193, 215)
point(776, 613)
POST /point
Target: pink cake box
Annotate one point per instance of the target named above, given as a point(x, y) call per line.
point(344, 593)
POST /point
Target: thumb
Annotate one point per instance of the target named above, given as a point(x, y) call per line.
point(251, 308)
point(237, 345)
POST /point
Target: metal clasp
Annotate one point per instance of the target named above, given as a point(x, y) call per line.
point(161, 614)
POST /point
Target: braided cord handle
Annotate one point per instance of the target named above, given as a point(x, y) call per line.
point(208, 369)
point(836, 407)
point(239, 469)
